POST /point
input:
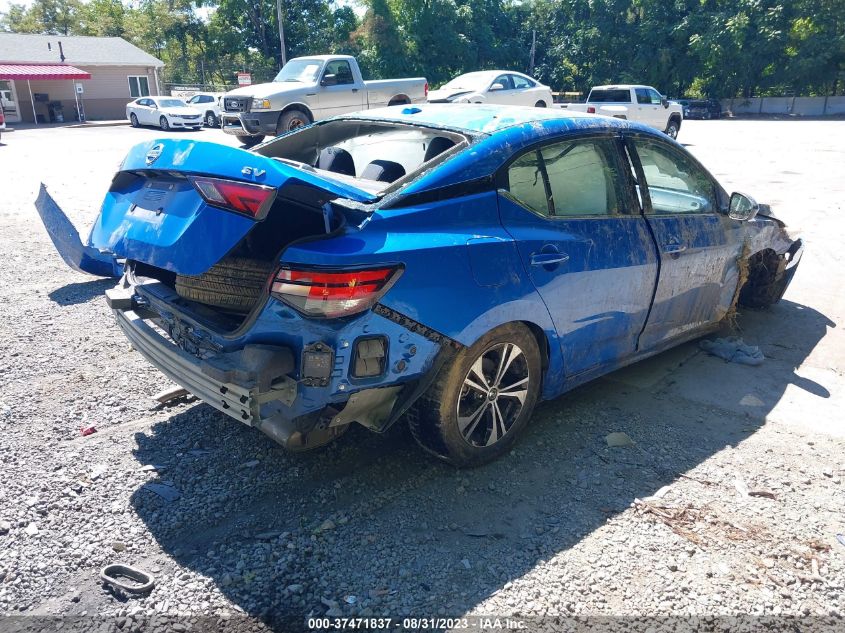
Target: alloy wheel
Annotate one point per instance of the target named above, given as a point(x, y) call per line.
point(493, 394)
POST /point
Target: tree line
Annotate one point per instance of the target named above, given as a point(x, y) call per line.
point(698, 48)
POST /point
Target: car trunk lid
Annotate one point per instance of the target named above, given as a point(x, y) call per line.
point(154, 214)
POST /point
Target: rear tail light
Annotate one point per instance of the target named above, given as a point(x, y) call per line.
point(332, 293)
point(426, 89)
point(591, 110)
point(241, 197)
point(3, 117)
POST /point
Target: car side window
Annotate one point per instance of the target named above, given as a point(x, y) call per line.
point(505, 80)
point(655, 97)
point(643, 96)
point(570, 179)
point(521, 83)
point(675, 183)
point(341, 69)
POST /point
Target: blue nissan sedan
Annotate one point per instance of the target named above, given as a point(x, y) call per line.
point(445, 265)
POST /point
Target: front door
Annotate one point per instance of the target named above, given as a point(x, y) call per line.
point(569, 205)
point(648, 110)
point(338, 92)
point(9, 101)
point(697, 245)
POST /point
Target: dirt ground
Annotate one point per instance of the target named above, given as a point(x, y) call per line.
point(563, 526)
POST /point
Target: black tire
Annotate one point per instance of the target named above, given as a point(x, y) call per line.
point(133, 120)
point(234, 284)
point(251, 141)
point(291, 120)
point(540, 104)
point(673, 128)
point(434, 419)
point(163, 123)
point(211, 119)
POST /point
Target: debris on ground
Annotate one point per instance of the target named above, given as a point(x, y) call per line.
point(618, 439)
point(87, 430)
point(167, 396)
point(165, 491)
point(734, 350)
point(127, 579)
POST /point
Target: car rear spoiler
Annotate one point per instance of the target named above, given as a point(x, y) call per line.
point(81, 257)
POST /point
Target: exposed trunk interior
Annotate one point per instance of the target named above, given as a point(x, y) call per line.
point(288, 221)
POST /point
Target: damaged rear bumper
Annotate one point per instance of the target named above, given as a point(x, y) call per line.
point(270, 386)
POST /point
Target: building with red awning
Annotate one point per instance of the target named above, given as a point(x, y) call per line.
point(52, 78)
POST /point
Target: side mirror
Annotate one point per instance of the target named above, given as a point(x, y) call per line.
point(496, 86)
point(665, 102)
point(329, 80)
point(742, 207)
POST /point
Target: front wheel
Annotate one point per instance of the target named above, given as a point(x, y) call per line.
point(291, 120)
point(540, 104)
point(163, 123)
point(672, 128)
point(133, 120)
point(478, 405)
point(210, 119)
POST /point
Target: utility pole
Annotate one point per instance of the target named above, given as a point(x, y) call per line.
point(281, 30)
point(533, 49)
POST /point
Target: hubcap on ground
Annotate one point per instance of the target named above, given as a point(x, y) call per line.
point(493, 394)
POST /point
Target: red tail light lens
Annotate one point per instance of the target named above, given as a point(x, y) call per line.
point(591, 110)
point(426, 89)
point(241, 197)
point(332, 293)
point(3, 117)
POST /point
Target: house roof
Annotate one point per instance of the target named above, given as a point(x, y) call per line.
point(80, 50)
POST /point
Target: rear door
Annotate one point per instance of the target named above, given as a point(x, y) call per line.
point(569, 206)
point(697, 244)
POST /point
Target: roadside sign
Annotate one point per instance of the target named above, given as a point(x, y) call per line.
point(79, 89)
point(244, 79)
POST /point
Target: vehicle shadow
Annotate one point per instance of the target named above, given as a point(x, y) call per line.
point(80, 291)
point(370, 525)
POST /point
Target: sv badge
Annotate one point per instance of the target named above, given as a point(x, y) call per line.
point(255, 172)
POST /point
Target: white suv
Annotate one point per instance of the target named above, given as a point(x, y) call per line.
point(210, 103)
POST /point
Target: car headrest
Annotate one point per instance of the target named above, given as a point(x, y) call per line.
point(337, 160)
point(383, 171)
point(437, 145)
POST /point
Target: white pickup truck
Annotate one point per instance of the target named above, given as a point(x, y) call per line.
point(308, 89)
point(635, 103)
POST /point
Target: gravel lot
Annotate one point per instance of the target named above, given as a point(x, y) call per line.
point(371, 526)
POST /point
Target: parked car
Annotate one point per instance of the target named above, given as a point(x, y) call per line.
point(455, 264)
point(164, 112)
point(309, 89)
point(494, 86)
point(702, 109)
point(211, 103)
point(642, 104)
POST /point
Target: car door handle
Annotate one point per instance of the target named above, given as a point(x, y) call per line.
point(674, 248)
point(545, 259)
point(355, 90)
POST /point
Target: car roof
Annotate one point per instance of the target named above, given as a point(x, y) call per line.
point(621, 87)
point(475, 118)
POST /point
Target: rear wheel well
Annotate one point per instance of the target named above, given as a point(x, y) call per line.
point(542, 342)
point(399, 100)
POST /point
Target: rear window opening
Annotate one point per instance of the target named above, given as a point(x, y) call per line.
point(609, 95)
point(374, 156)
